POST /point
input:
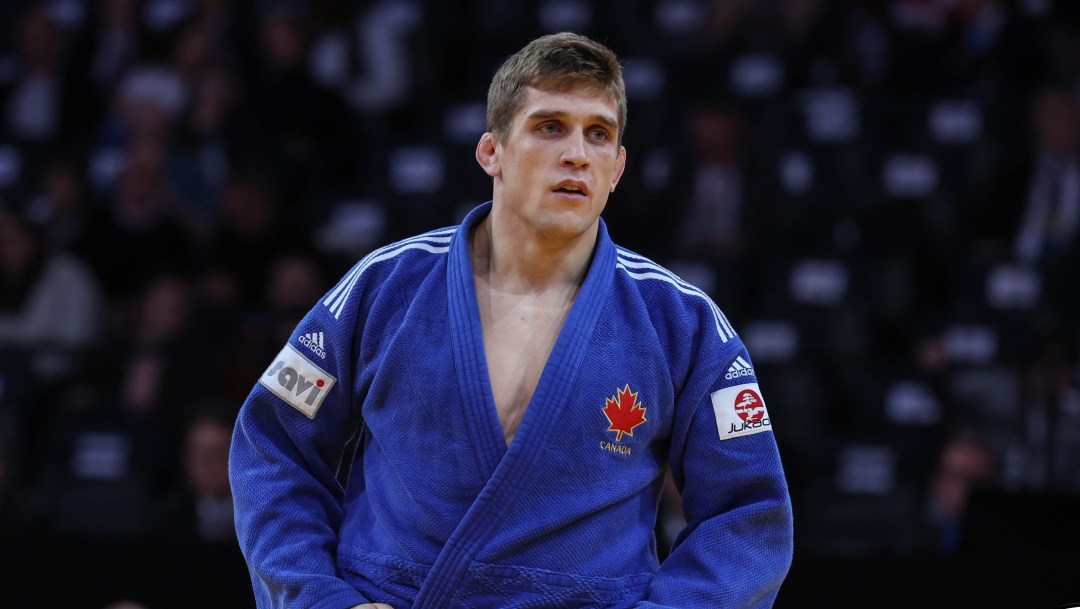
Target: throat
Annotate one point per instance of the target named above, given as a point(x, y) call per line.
point(516, 256)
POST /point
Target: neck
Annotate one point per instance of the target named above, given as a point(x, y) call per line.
point(524, 262)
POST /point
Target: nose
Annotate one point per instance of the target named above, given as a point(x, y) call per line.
point(574, 154)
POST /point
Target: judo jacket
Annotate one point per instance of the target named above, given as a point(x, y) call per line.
point(368, 463)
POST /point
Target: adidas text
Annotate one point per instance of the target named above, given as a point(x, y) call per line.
point(734, 374)
point(314, 343)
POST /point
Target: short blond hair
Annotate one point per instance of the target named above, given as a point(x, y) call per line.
point(550, 62)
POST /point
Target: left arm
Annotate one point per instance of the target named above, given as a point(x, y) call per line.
point(737, 546)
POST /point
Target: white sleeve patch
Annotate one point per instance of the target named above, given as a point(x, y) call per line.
point(740, 411)
point(302, 384)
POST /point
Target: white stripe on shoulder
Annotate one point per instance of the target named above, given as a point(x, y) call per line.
point(641, 268)
point(436, 242)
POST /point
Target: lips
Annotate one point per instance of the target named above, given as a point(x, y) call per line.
point(576, 187)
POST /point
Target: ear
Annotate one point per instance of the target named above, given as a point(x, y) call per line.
point(620, 166)
point(487, 155)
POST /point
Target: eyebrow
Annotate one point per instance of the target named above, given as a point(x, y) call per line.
point(597, 118)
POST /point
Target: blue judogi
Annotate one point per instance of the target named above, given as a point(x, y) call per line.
point(368, 463)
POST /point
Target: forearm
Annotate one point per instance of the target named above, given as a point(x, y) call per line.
point(737, 560)
point(286, 518)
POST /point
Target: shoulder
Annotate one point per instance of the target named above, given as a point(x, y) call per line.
point(399, 265)
point(432, 242)
point(670, 300)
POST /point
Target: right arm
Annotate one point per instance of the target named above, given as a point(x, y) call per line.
point(288, 444)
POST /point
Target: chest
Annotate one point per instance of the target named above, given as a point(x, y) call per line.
point(461, 387)
point(518, 338)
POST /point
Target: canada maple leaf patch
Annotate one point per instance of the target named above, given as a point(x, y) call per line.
point(624, 412)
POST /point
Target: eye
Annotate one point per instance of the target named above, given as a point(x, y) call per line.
point(600, 134)
point(549, 128)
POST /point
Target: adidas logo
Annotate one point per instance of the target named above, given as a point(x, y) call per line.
point(314, 342)
point(739, 368)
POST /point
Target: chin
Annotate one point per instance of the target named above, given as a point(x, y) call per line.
point(569, 224)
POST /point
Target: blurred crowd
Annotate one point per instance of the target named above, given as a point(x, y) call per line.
point(882, 195)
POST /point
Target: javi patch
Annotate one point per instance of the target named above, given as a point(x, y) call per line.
point(302, 384)
point(740, 411)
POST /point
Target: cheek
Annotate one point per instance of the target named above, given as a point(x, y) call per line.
point(520, 172)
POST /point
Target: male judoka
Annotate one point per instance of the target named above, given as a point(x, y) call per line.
point(481, 416)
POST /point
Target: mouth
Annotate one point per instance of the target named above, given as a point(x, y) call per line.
point(572, 188)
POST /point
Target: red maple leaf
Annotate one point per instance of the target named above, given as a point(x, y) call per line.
point(624, 412)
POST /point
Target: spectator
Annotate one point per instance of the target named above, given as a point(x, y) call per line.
point(305, 141)
point(1045, 444)
point(34, 106)
point(63, 206)
point(115, 46)
point(141, 233)
point(248, 233)
point(199, 507)
point(51, 303)
point(964, 463)
point(97, 465)
point(163, 360)
point(37, 112)
point(1052, 211)
point(712, 225)
point(203, 155)
point(715, 221)
point(292, 278)
point(1048, 235)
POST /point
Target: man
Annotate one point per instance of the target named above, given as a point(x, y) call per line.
point(481, 416)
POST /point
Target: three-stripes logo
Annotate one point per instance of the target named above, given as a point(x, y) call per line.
point(738, 369)
point(314, 342)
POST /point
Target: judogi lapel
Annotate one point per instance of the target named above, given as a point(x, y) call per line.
point(510, 467)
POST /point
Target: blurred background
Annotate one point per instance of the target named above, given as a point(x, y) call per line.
point(882, 195)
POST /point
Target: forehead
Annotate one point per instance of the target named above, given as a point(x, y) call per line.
point(577, 100)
